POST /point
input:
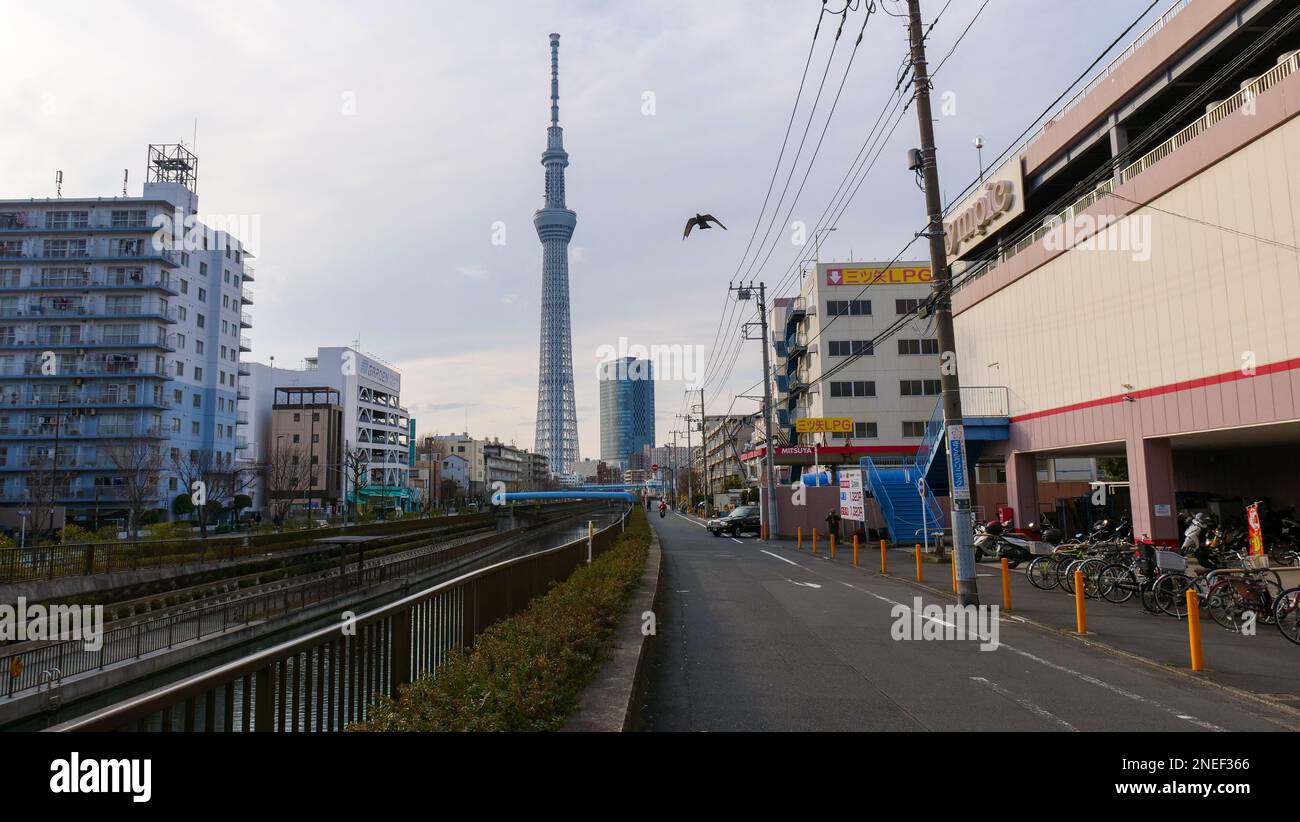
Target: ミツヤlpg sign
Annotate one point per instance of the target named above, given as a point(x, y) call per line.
point(873, 275)
point(824, 425)
point(1000, 199)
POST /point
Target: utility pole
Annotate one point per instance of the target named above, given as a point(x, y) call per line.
point(958, 479)
point(704, 458)
point(770, 519)
point(690, 467)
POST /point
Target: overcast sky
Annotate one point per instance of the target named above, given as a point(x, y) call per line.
point(377, 143)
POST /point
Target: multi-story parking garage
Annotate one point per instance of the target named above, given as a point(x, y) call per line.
point(1132, 273)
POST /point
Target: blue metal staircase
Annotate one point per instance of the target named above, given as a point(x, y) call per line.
point(895, 491)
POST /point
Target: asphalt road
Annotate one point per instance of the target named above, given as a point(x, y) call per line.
point(758, 637)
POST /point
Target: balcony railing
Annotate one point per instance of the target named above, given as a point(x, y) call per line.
point(245, 319)
point(246, 295)
point(245, 344)
point(1216, 113)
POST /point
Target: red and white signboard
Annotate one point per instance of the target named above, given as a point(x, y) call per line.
point(1253, 528)
point(852, 504)
point(655, 468)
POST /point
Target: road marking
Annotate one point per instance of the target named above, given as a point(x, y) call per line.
point(733, 539)
point(1036, 710)
point(688, 519)
point(783, 559)
point(1092, 680)
point(803, 584)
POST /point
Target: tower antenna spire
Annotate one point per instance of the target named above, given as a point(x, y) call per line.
point(555, 79)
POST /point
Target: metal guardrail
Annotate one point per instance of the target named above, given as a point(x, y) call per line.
point(326, 679)
point(58, 561)
point(985, 401)
point(141, 638)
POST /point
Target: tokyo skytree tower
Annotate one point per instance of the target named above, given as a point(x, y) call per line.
point(557, 420)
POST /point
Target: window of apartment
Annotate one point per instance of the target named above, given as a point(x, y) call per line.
point(185, 286)
point(861, 431)
point(223, 352)
point(128, 218)
point(185, 259)
point(65, 248)
point(919, 388)
point(199, 320)
point(171, 484)
point(915, 347)
point(837, 308)
point(912, 428)
point(297, 437)
point(225, 327)
point(225, 301)
point(194, 428)
point(198, 401)
point(67, 219)
point(227, 275)
point(181, 313)
point(844, 348)
point(176, 424)
point(203, 267)
point(854, 388)
point(178, 396)
point(198, 374)
point(906, 306)
point(9, 277)
point(203, 295)
point(198, 346)
point(297, 417)
point(180, 368)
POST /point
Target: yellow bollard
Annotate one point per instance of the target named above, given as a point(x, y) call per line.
point(855, 550)
point(884, 563)
point(1080, 612)
point(799, 537)
point(814, 550)
point(764, 530)
point(920, 577)
point(832, 546)
point(1194, 629)
point(954, 574)
point(1006, 585)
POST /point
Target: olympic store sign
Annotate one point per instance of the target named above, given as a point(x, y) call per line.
point(995, 203)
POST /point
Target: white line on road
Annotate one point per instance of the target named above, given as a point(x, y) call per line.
point(688, 519)
point(733, 539)
point(783, 559)
point(803, 584)
point(1036, 710)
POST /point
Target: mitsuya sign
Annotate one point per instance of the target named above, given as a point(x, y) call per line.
point(1000, 199)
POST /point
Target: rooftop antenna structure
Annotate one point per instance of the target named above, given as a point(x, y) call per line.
point(126, 175)
point(58, 184)
point(173, 163)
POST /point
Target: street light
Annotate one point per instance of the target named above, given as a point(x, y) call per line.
point(979, 148)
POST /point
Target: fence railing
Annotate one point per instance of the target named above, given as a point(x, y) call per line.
point(328, 679)
point(57, 561)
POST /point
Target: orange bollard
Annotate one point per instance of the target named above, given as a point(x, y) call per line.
point(954, 574)
point(799, 538)
point(1194, 629)
point(1080, 612)
point(920, 577)
point(884, 563)
point(855, 550)
point(832, 546)
point(814, 550)
point(1006, 585)
point(764, 530)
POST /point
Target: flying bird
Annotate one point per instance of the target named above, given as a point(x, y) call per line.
point(701, 220)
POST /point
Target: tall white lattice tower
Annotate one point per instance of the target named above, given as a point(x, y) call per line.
point(557, 418)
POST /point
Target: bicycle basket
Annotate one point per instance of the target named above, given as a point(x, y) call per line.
point(1255, 563)
point(1170, 561)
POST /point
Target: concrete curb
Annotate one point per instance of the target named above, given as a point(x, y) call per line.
point(609, 702)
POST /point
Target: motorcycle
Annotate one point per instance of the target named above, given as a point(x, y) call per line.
point(992, 540)
point(663, 512)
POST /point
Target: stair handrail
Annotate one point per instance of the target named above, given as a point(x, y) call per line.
point(881, 496)
point(933, 439)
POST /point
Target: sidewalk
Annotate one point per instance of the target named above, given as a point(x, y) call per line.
point(1266, 665)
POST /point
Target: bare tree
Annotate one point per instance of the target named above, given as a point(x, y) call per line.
point(205, 473)
point(286, 474)
point(356, 465)
point(46, 482)
point(140, 463)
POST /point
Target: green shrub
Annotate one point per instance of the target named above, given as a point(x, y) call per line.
point(526, 672)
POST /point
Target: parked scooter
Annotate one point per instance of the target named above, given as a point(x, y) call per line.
point(992, 540)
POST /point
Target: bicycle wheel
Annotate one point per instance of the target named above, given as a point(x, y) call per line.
point(1116, 584)
point(1091, 568)
point(1170, 593)
point(1148, 587)
point(1042, 573)
point(1286, 614)
point(1065, 575)
point(1226, 604)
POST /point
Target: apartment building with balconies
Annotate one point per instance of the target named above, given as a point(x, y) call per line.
point(115, 330)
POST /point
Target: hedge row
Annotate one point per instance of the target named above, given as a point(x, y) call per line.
point(527, 671)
